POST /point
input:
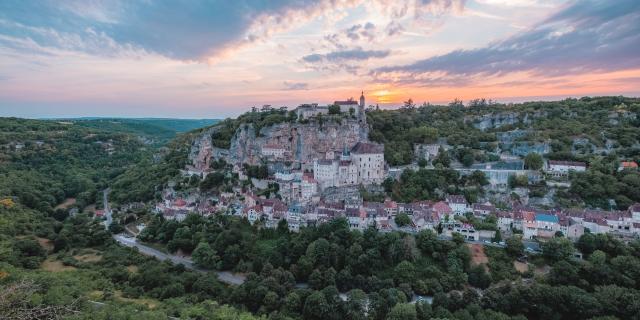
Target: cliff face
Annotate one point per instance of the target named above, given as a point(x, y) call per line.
point(203, 151)
point(301, 142)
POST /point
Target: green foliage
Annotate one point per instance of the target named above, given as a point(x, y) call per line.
point(557, 249)
point(402, 219)
point(334, 109)
point(533, 161)
point(204, 256)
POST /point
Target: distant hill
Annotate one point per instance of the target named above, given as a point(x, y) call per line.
point(160, 130)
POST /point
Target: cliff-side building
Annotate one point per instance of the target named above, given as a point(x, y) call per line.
point(364, 164)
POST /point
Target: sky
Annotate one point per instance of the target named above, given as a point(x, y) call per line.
point(218, 58)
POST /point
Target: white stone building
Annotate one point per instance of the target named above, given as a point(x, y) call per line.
point(273, 150)
point(564, 167)
point(369, 161)
point(458, 204)
point(363, 165)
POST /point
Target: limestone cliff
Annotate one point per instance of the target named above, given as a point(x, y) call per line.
point(302, 142)
point(203, 151)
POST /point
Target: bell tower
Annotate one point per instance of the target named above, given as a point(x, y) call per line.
point(362, 117)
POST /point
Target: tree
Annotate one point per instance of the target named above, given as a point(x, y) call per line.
point(292, 303)
point(204, 256)
point(402, 219)
point(533, 161)
point(478, 277)
point(403, 311)
point(514, 247)
point(409, 105)
point(29, 253)
point(315, 306)
point(442, 158)
point(356, 305)
point(213, 180)
point(557, 249)
point(115, 227)
point(334, 109)
point(497, 237)
point(404, 272)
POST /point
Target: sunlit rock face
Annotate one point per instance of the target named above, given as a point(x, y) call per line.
point(300, 142)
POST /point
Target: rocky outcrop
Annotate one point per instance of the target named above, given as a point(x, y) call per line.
point(302, 142)
point(202, 151)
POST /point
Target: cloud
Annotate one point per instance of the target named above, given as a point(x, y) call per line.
point(594, 35)
point(289, 85)
point(346, 55)
point(364, 31)
point(348, 60)
point(196, 31)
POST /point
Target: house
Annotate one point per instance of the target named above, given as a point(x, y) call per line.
point(634, 209)
point(527, 221)
point(498, 173)
point(505, 220)
point(426, 151)
point(547, 225)
point(458, 204)
point(571, 228)
point(273, 150)
point(562, 168)
point(308, 188)
point(628, 165)
point(350, 104)
point(442, 211)
point(483, 209)
point(391, 207)
point(294, 217)
point(252, 213)
point(306, 111)
point(465, 229)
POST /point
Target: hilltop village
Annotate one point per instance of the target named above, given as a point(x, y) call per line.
point(321, 165)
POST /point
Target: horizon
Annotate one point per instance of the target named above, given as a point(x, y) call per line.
point(216, 60)
point(385, 107)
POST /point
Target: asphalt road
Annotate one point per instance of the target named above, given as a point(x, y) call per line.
point(223, 276)
point(107, 209)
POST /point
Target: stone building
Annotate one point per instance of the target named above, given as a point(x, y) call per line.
point(364, 164)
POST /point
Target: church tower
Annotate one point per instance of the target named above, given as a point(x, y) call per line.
point(361, 115)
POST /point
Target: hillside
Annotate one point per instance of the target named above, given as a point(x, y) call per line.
point(56, 258)
point(156, 131)
point(601, 132)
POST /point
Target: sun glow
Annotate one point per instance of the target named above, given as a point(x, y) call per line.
point(383, 96)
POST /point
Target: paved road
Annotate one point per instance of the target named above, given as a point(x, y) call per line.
point(223, 276)
point(107, 208)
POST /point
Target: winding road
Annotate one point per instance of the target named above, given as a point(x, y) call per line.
point(128, 241)
point(223, 276)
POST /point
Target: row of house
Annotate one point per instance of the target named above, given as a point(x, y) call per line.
point(536, 223)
